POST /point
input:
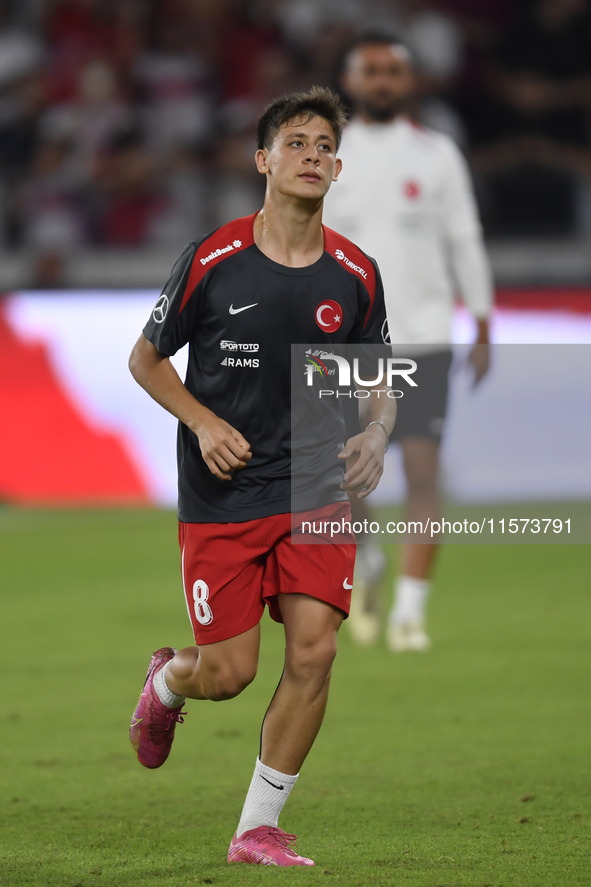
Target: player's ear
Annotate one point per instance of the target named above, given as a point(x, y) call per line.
point(337, 169)
point(261, 158)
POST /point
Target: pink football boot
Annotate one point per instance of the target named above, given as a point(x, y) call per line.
point(153, 724)
point(266, 845)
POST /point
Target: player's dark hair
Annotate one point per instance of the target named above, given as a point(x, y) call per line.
point(318, 101)
point(372, 37)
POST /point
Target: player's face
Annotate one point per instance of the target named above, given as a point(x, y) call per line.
point(379, 79)
point(302, 160)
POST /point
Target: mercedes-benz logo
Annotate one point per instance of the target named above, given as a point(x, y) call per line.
point(385, 333)
point(161, 309)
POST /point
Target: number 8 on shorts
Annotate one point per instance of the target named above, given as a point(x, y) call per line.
point(202, 609)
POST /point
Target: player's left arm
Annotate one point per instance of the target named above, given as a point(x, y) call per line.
point(468, 259)
point(364, 452)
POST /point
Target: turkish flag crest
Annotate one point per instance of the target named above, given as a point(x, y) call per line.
point(329, 316)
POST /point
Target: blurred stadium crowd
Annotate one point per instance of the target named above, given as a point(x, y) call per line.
point(129, 123)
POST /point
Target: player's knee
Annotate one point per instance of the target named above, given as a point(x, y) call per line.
point(313, 661)
point(229, 681)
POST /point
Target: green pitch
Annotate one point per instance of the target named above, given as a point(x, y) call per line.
point(468, 765)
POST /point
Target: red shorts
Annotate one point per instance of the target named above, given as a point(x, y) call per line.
point(230, 571)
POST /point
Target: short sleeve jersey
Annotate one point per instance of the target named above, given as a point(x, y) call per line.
point(240, 312)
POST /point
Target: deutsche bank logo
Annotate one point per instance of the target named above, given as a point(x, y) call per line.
point(161, 309)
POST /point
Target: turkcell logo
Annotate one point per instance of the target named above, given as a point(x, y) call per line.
point(343, 258)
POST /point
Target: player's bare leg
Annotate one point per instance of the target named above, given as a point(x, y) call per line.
point(296, 712)
point(406, 622)
point(290, 727)
point(215, 671)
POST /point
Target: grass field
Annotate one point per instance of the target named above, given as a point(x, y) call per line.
point(469, 765)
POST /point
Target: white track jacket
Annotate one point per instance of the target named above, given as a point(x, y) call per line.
point(405, 197)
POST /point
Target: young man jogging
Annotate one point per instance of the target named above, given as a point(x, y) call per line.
point(241, 297)
point(407, 196)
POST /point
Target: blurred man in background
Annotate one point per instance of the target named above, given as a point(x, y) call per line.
point(406, 198)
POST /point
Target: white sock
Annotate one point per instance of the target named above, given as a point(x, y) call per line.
point(163, 692)
point(410, 599)
point(268, 792)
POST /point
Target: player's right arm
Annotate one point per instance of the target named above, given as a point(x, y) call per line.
point(172, 324)
point(223, 447)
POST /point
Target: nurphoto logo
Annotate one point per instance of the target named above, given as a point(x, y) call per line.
point(385, 371)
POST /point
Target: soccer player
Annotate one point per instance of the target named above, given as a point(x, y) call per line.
point(240, 297)
point(406, 195)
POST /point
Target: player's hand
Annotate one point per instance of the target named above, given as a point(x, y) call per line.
point(479, 360)
point(365, 461)
point(223, 448)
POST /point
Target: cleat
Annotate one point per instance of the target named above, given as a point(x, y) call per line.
point(266, 845)
point(153, 724)
point(407, 636)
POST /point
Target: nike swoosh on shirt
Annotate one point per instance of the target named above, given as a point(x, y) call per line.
point(280, 787)
point(233, 310)
point(345, 584)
